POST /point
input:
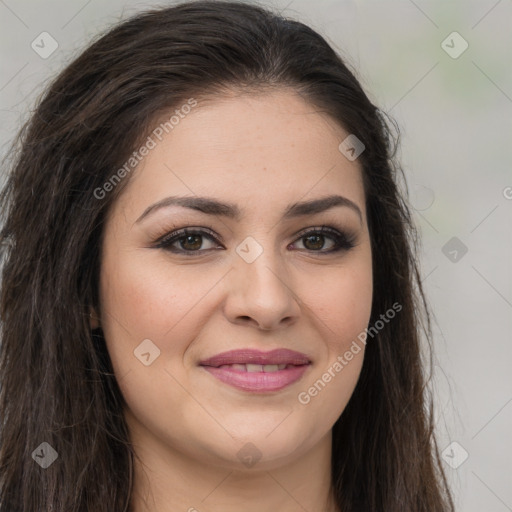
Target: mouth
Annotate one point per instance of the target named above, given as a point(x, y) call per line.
point(256, 371)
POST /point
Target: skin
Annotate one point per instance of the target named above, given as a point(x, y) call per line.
point(263, 153)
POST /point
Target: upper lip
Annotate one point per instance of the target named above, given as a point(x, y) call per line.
point(251, 356)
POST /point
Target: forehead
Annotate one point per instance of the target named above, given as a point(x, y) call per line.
point(269, 149)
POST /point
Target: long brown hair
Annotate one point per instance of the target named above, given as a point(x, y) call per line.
point(57, 382)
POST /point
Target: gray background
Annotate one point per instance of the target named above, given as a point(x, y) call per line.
point(455, 116)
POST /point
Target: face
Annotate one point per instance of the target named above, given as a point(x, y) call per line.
point(218, 335)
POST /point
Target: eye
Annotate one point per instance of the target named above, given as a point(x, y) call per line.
point(314, 240)
point(190, 241)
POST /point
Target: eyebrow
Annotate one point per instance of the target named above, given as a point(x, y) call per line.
point(212, 206)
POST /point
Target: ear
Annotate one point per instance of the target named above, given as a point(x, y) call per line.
point(94, 320)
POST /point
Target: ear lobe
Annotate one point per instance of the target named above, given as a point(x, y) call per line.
point(94, 321)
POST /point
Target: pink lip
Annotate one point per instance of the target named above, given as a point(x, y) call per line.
point(251, 356)
point(297, 362)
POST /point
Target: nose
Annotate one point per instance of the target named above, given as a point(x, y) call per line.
point(261, 294)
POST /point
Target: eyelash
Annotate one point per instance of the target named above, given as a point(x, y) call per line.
point(343, 241)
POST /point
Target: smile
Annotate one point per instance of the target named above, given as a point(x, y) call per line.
point(256, 371)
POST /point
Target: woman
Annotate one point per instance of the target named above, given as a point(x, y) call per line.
point(210, 299)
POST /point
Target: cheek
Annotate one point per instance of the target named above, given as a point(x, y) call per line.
point(148, 300)
point(141, 302)
point(343, 303)
point(342, 307)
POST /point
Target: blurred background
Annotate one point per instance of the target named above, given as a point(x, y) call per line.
point(442, 70)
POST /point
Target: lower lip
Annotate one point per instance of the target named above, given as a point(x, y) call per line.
point(258, 381)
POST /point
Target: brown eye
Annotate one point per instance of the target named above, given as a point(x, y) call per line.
point(190, 241)
point(315, 240)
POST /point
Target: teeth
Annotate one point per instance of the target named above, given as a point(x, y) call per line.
point(254, 368)
point(267, 368)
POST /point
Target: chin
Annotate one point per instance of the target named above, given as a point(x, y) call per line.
point(262, 448)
